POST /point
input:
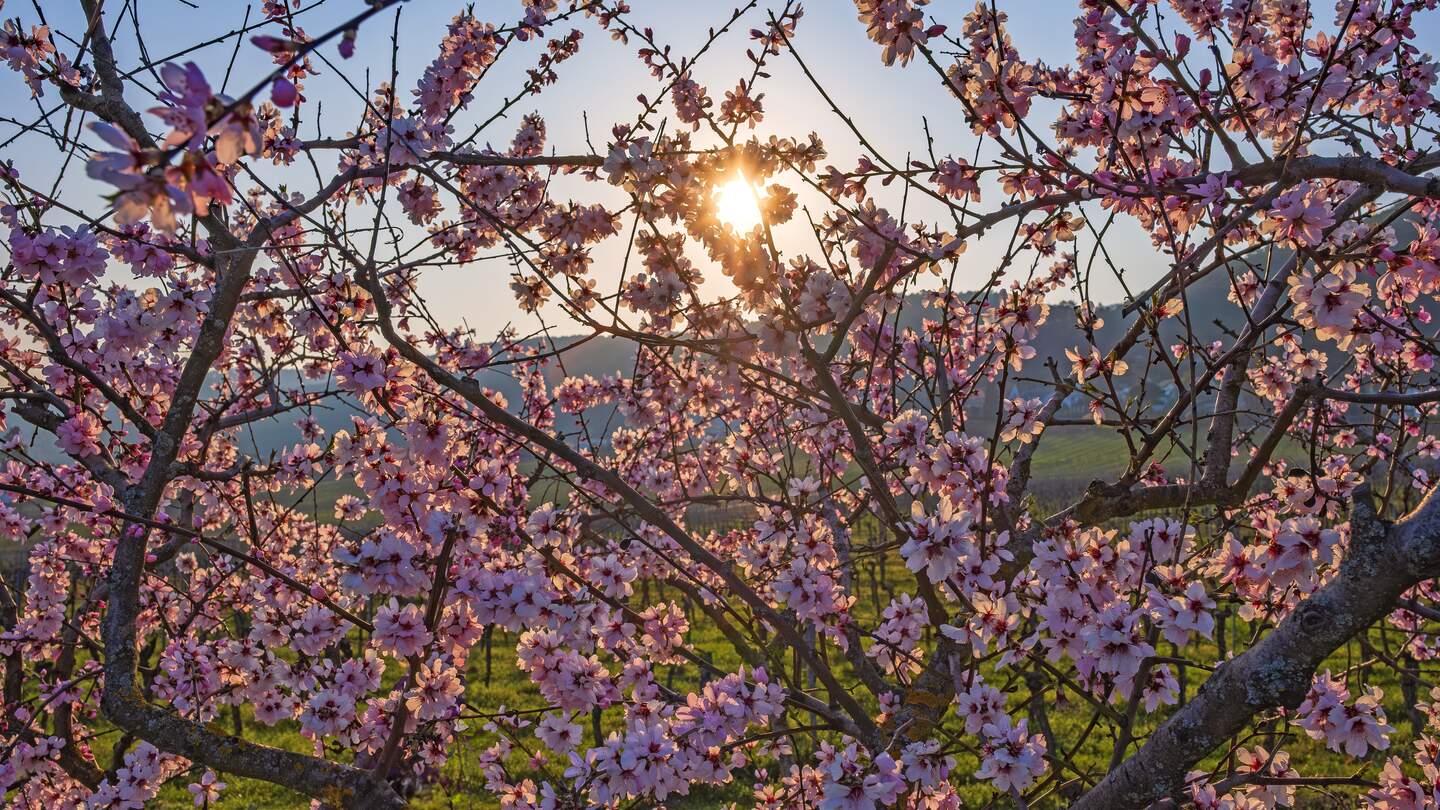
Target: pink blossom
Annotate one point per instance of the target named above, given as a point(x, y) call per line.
point(401, 631)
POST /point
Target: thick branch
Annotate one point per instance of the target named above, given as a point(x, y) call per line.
point(1382, 563)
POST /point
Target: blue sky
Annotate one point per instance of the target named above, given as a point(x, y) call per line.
point(888, 104)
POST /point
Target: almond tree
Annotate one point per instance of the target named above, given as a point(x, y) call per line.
point(830, 463)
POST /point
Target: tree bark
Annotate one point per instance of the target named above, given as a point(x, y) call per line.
point(1382, 562)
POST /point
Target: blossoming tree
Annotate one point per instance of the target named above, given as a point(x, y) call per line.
point(1253, 587)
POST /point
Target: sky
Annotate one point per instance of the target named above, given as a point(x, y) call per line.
point(598, 87)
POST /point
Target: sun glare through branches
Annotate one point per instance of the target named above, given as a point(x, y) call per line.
point(737, 204)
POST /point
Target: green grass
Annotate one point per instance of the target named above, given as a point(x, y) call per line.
point(1077, 452)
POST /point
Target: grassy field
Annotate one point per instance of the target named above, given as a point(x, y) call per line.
point(1068, 459)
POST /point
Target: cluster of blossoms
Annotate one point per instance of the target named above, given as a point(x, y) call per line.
point(33, 55)
point(138, 780)
point(792, 533)
point(1396, 788)
point(1355, 727)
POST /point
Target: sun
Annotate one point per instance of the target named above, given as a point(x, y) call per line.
point(736, 204)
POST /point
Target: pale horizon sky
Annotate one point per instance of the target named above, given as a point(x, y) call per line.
point(889, 104)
